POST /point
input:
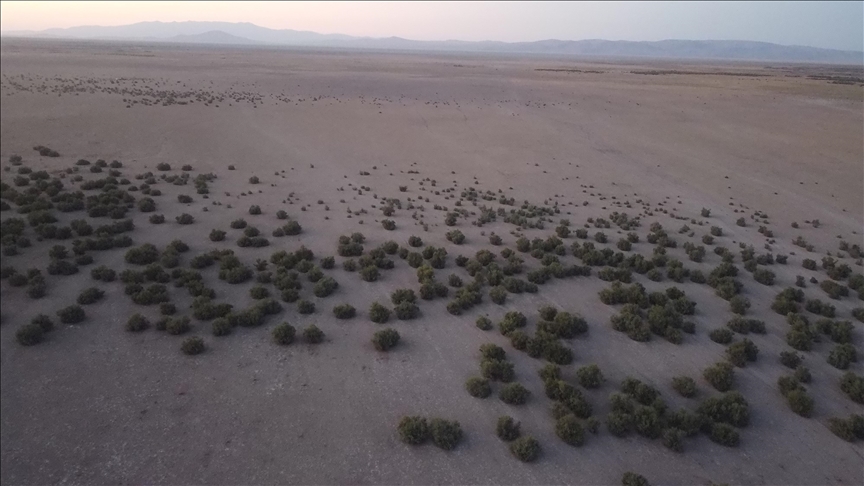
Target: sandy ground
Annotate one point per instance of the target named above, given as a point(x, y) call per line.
point(95, 404)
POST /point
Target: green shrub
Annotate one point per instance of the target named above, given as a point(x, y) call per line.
point(525, 448)
point(445, 434)
point(739, 304)
point(633, 479)
point(221, 327)
point(192, 346)
point(721, 336)
point(413, 430)
point(741, 352)
point(492, 351)
point(790, 359)
point(142, 255)
point(259, 292)
point(90, 296)
point(455, 237)
point(507, 429)
point(842, 356)
point(217, 235)
point(71, 315)
point(406, 311)
point(305, 307)
point(313, 335)
point(720, 376)
point(402, 295)
point(590, 376)
point(483, 323)
point(724, 434)
point(853, 386)
point(514, 394)
point(324, 287)
point(569, 430)
point(497, 370)
point(344, 311)
point(850, 429)
point(673, 439)
point(478, 387)
point(30, 334)
point(498, 294)
point(369, 274)
point(177, 326)
point(378, 313)
point(137, 323)
point(685, 386)
point(799, 402)
point(283, 334)
point(186, 218)
point(385, 339)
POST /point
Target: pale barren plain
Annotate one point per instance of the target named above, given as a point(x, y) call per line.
point(332, 135)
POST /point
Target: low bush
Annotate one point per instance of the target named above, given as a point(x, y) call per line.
point(514, 394)
point(853, 386)
point(842, 356)
point(313, 335)
point(30, 334)
point(178, 326)
point(90, 296)
point(137, 323)
point(720, 376)
point(283, 334)
point(445, 434)
point(685, 386)
point(483, 323)
point(192, 346)
point(344, 311)
point(385, 339)
point(633, 479)
point(721, 336)
point(71, 315)
point(413, 430)
point(497, 370)
point(478, 387)
point(569, 430)
point(507, 429)
point(305, 307)
point(800, 402)
point(525, 448)
point(590, 376)
point(186, 218)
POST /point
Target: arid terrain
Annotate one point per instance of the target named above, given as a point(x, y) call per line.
point(761, 166)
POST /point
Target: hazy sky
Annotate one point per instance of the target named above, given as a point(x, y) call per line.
point(838, 25)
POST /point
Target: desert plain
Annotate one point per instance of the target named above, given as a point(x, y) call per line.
point(520, 147)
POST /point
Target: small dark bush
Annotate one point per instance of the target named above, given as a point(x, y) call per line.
point(71, 315)
point(685, 386)
point(525, 448)
point(514, 394)
point(344, 311)
point(305, 307)
point(283, 334)
point(313, 335)
point(507, 429)
point(633, 479)
point(569, 430)
point(445, 434)
point(192, 346)
point(478, 387)
point(137, 323)
point(385, 339)
point(185, 219)
point(590, 376)
point(413, 430)
point(30, 334)
point(90, 296)
point(720, 376)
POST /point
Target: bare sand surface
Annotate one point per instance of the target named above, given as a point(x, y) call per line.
point(94, 404)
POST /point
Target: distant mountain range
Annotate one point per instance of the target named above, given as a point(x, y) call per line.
point(247, 34)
